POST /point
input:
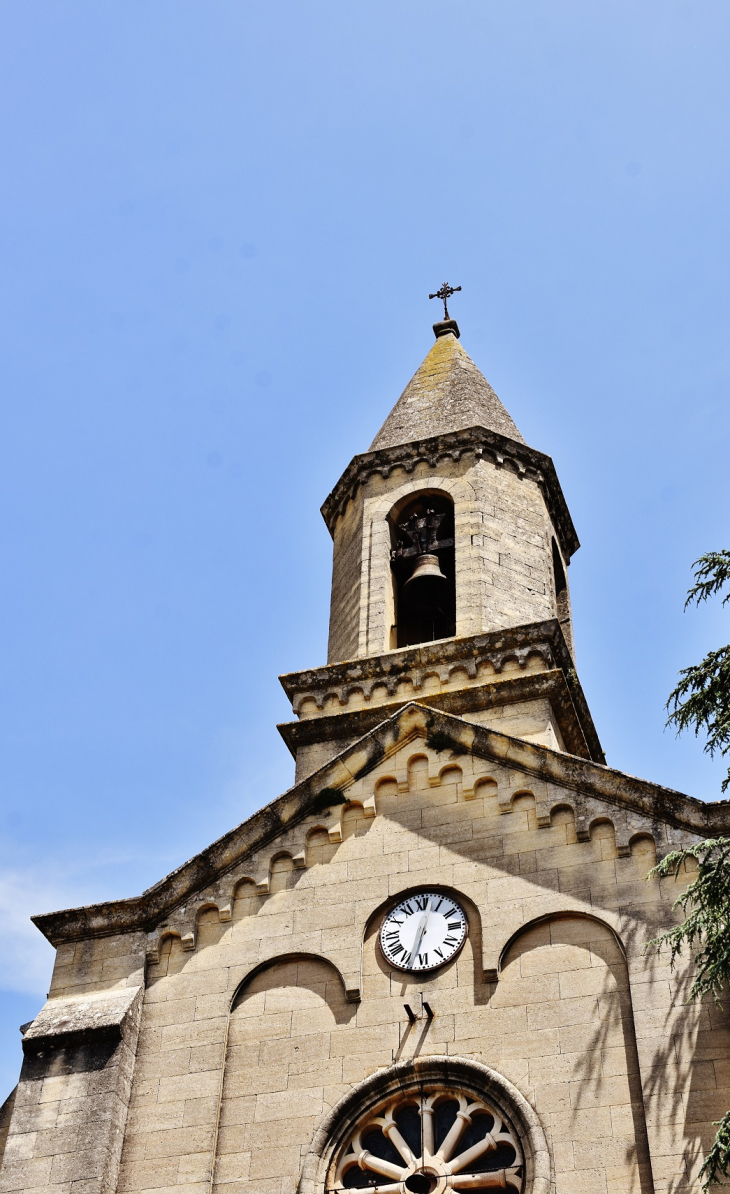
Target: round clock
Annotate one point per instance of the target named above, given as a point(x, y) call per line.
point(424, 931)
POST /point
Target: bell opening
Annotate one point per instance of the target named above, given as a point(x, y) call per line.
point(422, 561)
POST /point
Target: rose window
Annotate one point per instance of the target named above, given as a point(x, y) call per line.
point(428, 1143)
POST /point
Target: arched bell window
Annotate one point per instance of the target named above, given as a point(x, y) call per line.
point(423, 566)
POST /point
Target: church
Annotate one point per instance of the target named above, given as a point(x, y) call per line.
point(423, 968)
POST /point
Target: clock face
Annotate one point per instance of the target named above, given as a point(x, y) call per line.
point(423, 932)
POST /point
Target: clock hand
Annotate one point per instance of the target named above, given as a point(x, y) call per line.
point(419, 937)
point(421, 932)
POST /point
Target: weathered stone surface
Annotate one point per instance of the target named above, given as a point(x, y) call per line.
point(446, 393)
point(286, 821)
point(508, 512)
point(100, 1012)
point(280, 1007)
point(67, 1129)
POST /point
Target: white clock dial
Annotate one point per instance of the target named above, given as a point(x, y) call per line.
point(424, 931)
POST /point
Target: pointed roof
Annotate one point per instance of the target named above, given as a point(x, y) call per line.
point(447, 393)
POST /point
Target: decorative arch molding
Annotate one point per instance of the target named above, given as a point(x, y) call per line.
point(411, 489)
point(615, 1005)
point(412, 1077)
point(564, 915)
point(283, 960)
point(497, 941)
point(352, 994)
point(395, 499)
point(412, 889)
point(164, 935)
point(489, 941)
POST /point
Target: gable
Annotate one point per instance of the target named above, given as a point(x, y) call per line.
point(459, 781)
point(426, 814)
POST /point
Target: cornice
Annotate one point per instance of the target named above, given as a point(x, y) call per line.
point(579, 738)
point(579, 776)
point(496, 648)
point(479, 441)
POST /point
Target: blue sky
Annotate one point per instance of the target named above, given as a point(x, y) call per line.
point(219, 225)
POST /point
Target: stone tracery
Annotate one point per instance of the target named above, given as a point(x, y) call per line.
point(429, 1142)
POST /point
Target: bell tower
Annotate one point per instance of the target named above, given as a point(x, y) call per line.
point(451, 544)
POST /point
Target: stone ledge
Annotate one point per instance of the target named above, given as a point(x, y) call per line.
point(541, 641)
point(580, 739)
point(545, 639)
point(67, 1021)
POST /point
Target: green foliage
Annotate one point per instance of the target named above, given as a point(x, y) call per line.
point(705, 931)
point(712, 571)
point(706, 906)
point(717, 1161)
point(701, 700)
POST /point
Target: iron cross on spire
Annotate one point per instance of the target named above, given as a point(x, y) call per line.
point(445, 293)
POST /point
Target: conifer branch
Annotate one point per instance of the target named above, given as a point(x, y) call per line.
point(712, 571)
point(706, 907)
point(717, 1161)
point(701, 699)
point(706, 932)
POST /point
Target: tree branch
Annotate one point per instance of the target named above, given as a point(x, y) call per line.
point(712, 571)
point(701, 701)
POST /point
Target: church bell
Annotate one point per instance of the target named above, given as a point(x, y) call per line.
point(427, 587)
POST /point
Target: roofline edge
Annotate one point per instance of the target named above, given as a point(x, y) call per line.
point(569, 771)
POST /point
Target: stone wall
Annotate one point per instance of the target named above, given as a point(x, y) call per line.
point(347, 569)
point(260, 1021)
point(70, 1108)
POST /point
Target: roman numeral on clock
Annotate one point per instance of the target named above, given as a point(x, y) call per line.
point(454, 926)
point(423, 959)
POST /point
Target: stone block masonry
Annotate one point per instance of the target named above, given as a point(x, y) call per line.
point(283, 1004)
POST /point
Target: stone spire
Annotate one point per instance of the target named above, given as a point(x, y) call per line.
point(447, 393)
